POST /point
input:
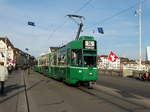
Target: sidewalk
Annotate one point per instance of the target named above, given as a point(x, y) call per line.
point(30, 93)
point(13, 99)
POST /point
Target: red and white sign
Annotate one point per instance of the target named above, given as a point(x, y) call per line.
point(112, 56)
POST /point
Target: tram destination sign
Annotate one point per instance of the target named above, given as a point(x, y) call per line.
point(88, 44)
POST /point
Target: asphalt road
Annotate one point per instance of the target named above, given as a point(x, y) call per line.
point(126, 86)
point(48, 95)
point(111, 94)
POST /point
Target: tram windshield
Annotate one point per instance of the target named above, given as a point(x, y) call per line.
point(90, 61)
point(77, 59)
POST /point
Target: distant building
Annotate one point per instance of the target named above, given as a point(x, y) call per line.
point(120, 64)
point(53, 49)
point(104, 63)
point(148, 53)
point(20, 57)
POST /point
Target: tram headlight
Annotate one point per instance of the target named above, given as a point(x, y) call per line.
point(80, 71)
point(90, 73)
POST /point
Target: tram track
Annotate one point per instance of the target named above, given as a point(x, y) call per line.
point(120, 102)
point(26, 94)
point(113, 98)
point(17, 104)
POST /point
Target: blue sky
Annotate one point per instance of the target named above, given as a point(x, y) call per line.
point(121, 31)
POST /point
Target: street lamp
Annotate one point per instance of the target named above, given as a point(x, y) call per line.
point(139, 12)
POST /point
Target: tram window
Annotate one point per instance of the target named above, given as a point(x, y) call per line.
point(55, 59)
point(45, 68)
point(90, 61)
point(76, 57)
point(62, 59)
point(73, 57)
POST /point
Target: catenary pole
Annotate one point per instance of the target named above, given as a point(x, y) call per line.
point(140, 33)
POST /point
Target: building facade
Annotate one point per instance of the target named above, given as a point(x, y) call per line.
point(104, 63)
point(13, 57)
point(120, 64)
point(6, 52)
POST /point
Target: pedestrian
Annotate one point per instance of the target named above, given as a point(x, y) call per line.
point(146, 76)
point(9, 68)
point(3, 76)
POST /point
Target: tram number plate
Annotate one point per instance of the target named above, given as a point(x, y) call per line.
point(89, 44)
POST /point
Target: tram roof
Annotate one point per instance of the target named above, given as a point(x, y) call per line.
point(86, 38)
point(77, 44)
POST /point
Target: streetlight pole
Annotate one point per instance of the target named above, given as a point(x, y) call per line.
point(140, 32)
point(139, 13)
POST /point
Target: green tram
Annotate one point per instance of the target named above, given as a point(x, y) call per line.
point(74, 63)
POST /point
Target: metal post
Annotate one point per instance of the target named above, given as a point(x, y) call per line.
point(140, 33)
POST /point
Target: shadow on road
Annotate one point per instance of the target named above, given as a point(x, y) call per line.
point(126, 94)
point(13, 87)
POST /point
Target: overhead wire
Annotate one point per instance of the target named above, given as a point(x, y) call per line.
point(81, 8)
point(114, 15)
point(102, 21)
point(57, 28)
point(78, 10)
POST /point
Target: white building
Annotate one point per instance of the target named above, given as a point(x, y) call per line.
point(6, 51)
point(104, 63)
point(120, 63)
point(135, 66)
point(148, 53)
point(53, 49)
